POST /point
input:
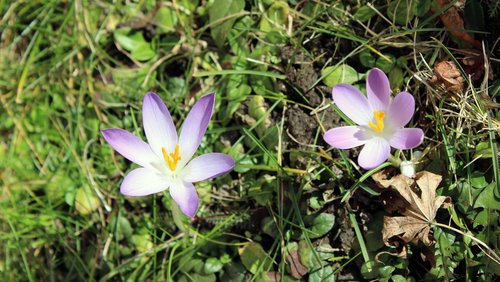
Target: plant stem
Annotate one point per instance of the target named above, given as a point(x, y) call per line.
point(491, 253)
point(394, 161)
point(177, 215)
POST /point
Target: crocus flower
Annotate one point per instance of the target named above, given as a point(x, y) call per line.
point(166, 161)
point(380, 120)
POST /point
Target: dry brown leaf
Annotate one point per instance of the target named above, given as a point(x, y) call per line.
point(418, 208)
point(452, 19)
point(447, 74)
point(474, 64)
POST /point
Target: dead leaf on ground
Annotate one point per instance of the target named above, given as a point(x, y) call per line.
point(418, 208)
point(453, 20)
point(446, 73)
point(474, 64)
point(297, 269)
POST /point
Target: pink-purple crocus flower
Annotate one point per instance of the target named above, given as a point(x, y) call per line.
point(380, 120)
point(166, 161)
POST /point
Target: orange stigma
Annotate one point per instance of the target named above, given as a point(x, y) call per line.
point(173, 158)
point(378, 126)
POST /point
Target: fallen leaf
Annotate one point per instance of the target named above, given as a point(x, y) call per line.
point(446, 73)
point(297, 269)
point(418, 208)
point(474, 64)
point(452, 19)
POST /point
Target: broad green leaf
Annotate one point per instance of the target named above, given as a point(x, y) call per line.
point(212, 265)
point(401, 11)
point(269, 227)
point(386, 270)
point(142, 242)
point(322, 274)
point(276, 17)
point(341, 74)
point(396, 78)
point(254, 257)
point(483, 150)
point(58, 185)
point(201, 278)
point(319, 225)
point(166, 19)
point(128, 39)
point(220, 10)
point(422, 7)
point(364, 13)
point(86, 201)
point(143, 52)
point(478, 181)
point(120, 227)
point(483, 217)
point(487, 198)
point(384, 64)
point(366, 58)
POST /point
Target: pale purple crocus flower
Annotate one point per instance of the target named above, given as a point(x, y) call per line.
point(166, 161)
point(380, 120)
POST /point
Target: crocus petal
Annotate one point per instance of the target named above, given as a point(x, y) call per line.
point(375, 152)
point(185, 196)
point(345, 137)
point(195, 125)
point(207, 166)
point(352, 103)
point(407, 138)
point(401, 110)
point(158, 124)
point(130, 146)
point(378, 90)
point(142, 182)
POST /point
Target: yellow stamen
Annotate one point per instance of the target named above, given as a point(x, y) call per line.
point(173, 158)
point(379, 121)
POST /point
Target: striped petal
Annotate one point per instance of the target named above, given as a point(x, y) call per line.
point(407, 138)
point(207, 166)
point(158, 125)
point(130, 146)
point(346, 137)
point(185, 195)
point(142, 182)
point(195, 126)
point(352, 103)
point(401, 110)
point(378, 90)
point(375, 152)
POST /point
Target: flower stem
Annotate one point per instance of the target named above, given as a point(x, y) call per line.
point(394, 161)
point(490, 253)
point(177, 215)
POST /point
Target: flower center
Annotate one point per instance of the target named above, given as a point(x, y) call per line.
point(378, 126)
point(173, 158)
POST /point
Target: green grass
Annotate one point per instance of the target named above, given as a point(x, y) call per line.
point(293, 207)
